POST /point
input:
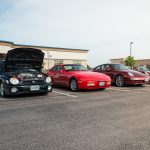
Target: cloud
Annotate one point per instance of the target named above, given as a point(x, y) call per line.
point(104, 27)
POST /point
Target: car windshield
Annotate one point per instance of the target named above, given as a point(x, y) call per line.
point(74, 68)
point(119, 67)
point(142, 68)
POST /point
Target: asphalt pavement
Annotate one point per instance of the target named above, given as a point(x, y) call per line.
point(111, 119)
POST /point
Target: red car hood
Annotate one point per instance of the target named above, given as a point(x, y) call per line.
point(88, 75)
point(136, 73)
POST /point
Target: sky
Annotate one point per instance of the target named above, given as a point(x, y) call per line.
point(105, 27)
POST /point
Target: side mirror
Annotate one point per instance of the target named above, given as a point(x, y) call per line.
point(60, 71)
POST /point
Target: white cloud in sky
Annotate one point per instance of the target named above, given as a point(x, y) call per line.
point(105, 27)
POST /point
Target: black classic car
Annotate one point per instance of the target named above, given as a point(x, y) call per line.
point(20, 73)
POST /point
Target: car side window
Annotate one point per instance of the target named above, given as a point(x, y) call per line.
point(103, 68)
point(97, 68)
point(107, 67)
point(55, 69)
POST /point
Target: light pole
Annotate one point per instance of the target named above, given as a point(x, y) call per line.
point(48, 57)
point(131, 48)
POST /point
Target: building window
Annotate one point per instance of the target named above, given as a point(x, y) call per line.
point(76, 61)
point(58, 61)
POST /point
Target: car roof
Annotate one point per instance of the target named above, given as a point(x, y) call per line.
point(66, 64)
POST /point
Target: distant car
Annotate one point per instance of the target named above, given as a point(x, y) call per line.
point(121, 75)
point(77, 77)
point(142, 69)
point(20, 73)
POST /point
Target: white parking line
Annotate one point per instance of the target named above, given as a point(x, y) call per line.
point(117, 89)
point(64, 94)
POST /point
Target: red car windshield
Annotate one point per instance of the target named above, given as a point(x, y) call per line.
point(119, 67)
point(74, 68)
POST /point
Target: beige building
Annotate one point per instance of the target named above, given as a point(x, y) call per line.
point(53, 55)
point(139, 62)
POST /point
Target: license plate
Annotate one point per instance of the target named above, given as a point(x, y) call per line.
point(34, 88)
point(101, 83)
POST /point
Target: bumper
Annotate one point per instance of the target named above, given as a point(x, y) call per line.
point(21, 89)
point(135, 81)
point(93, 84)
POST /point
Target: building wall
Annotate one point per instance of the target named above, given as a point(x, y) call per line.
point(4, 49)
point(118, 60)
point(140, 62)
point(52, 55)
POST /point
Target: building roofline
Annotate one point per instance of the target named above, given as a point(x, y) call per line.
point(116, 58)
point(43, 46)
point(9, 42)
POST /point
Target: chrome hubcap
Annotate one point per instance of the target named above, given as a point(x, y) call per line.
point(119, 81)
point(73, 85)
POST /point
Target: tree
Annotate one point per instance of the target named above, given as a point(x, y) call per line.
point(130, 61)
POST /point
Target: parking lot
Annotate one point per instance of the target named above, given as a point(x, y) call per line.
point(111, 119)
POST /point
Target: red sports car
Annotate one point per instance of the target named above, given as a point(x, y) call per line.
point(122, 75)
point(144, 70)
point(76, 77)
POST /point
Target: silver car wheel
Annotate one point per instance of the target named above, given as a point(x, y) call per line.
point(119, 81)
point(73, 85)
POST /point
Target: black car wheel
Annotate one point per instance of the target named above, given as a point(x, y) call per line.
point(119, 81)
point(73, 85)
point(2, 90)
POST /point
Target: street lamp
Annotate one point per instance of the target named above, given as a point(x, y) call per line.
point(131, 48)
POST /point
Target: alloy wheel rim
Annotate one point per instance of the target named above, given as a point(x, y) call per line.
point(73, 85)
point(119, 81)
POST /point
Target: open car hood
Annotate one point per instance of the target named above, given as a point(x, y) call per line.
point(24, 58)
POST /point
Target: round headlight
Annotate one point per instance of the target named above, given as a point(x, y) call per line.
point(14, 81)
point(48, 80)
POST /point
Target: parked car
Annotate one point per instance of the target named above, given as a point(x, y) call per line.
point(20, 73)
point(77, 77)
point(122, 75)
point(142, 69)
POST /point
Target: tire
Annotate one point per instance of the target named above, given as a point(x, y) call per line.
point(119, 81)
point(102, 89)
point(73, 85)
point(2, 90)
